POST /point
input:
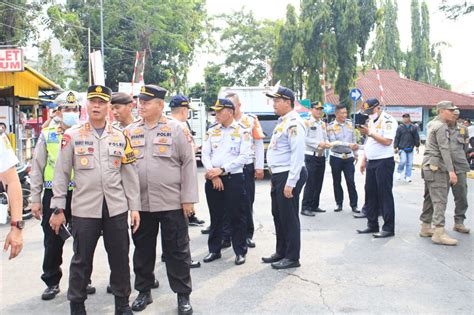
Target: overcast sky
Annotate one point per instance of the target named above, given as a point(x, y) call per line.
point(458, 61)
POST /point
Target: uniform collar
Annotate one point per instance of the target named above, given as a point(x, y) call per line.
point(234, 124)
point(287, 115)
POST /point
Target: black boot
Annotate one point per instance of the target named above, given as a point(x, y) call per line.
point(121, 306)
point(142, 301)
point(184, 304)
point(78, 308)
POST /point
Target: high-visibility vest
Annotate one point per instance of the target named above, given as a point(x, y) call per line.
point(53, 137)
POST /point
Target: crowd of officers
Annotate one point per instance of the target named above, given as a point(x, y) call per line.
point(88, 178)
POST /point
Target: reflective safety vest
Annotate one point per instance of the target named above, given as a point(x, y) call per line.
point(53, 137)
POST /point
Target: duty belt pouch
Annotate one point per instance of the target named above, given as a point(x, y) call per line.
point(344, 156)
point(408, 150)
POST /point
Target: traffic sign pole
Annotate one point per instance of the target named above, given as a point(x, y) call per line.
point(355, 95)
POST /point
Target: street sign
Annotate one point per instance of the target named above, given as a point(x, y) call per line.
point(356, 94)
point(11, 60)
point(328, 108)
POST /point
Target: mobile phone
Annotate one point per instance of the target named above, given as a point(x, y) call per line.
point(64, 232)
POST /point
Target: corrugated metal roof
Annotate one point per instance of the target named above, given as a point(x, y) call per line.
point(404, 92)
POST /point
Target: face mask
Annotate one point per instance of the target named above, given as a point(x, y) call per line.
point(70, 118)
point(374, 116)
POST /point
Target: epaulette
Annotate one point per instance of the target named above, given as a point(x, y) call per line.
point(242, 125)
point(213, 125)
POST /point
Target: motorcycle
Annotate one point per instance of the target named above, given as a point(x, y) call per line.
point(23, 174)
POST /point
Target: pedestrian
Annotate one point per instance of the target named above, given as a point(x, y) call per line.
point(406, 139)
point(121, 108)
point(43, 163)
point(106, 188)
point(285, 158)
point(379, 163)
point(253, 168)
point(9, 179)
point(343, 157)
point(438, 172)
point(458, 146)
point(225, 151)
point(168, 189)
point(316, 142)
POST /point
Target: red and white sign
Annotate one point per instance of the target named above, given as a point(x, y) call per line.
point(11, 60)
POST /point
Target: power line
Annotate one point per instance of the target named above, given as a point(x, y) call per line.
point(16, 28)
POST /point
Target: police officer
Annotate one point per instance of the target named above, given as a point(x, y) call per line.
point(168, 187)
point(106, 187)
point(438, 172)
point(44, 160)
point(379, 162)
point(285, 158)
point(458, 146)
point(343, 157)
point(9, 178)
point(316, 142)
point(179, 107)
point(121, 107)
point(224, 153)
point(253, 168)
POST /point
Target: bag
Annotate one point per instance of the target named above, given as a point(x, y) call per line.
point(408, 150)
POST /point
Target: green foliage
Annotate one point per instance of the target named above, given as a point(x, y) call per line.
point(456, 8)
point(17, 17)
point(51, 65)
point(214, 79)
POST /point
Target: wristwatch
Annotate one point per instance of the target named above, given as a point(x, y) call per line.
point(58, 211)
point(223, 171)
point(18, 224)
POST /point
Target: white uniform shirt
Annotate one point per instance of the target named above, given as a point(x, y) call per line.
point(8, 158)
point(385, 126)
point(251, 123)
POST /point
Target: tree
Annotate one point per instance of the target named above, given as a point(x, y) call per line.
point(248, 44)
point(17, 21)
point(51, 65)
point(438, 80)
point(456, 9)
point(415, 52)
point(214, 79)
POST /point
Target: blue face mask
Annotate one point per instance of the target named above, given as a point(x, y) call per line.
point(70, 118)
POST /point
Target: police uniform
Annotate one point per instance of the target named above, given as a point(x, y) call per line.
point(228, 148)
point(255, 161)
point(458, 146)
point(315, 162)
point(44, 160)
point(342, 160)
point(106, 187)
point(379, 172)
point(167, 174)
point(285, 159)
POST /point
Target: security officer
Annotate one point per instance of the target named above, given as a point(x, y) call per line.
point(316, 142)
point(106, 187)
point(285, 158)
point(438, 172)
point(121, 107)
point(458, 146)
point(44, 160)
point(253, 168)
point(168, 187)
point(224, 153)
point(343, 157)
point(379, 162)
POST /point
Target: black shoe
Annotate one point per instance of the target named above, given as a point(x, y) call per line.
point(163, 259)
point(226, 244)
point(206, 230)
point(318, 210)
point(359, 215)
point(77, 308)
point(250, 243)
point(90, 289)
point(184, 305)
point(194, 221)
point(109, 289)
point(156, 284)
point(307, 213)
point(286, 263)
point(211, 257)
point(383, 234)
point(142, 300)
point(239, 260)
point(338, 209)
point(50, 292)
point(195, 264)
point(273, 258)
point(368, 230)
point(123, 310)
point(355, 210)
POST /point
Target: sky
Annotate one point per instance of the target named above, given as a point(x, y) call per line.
point(458, 61)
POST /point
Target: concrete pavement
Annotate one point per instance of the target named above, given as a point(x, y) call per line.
point(341, 272)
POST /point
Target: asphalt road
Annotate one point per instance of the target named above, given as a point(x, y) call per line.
point(341, 272)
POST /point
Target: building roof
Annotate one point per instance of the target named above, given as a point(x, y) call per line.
point(404, 92)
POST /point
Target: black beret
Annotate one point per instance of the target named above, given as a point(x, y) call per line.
point(121, 98)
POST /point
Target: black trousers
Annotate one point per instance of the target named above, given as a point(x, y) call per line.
point(379, 182)
point(53, 244)
point(231, 203)
point(175, 242)
point(316, 165)
point(286, 215)
point(249, 183)
point(86, 233)
point(345, 166)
